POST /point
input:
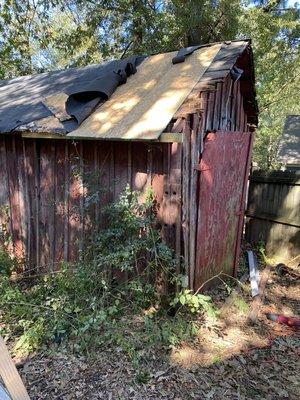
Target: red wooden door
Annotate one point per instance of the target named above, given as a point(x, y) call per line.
point(224, 168)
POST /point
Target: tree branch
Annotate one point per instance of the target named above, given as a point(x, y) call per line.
point(280, 91)
point(271, 5)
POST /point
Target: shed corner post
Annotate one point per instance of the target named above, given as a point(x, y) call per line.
point(186, 168)
point(196, 148)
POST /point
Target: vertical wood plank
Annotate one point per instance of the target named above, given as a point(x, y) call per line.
point(139, 152)
point(90, 192)
point(13, 185)
point(193, 201)
point(175, 200)
point(23, 199)
point(5, 217)
point(61, 206)
point(37, 193)
point(120, 168)
point(106, 177)
point(233, 106)
point(186, 163)
point(81, 199)
point(243, 203)
point(66, 200)
point(30, 163)
point(10, 375)
point(166, 234)
point(158, 174)
point(75, 193)
point(224, 104)
point(217, 106)
point(47, 155)
point(120, 182)
point(210, 99)
point(242, 116)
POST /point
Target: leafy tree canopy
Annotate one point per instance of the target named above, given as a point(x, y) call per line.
point(41, 35)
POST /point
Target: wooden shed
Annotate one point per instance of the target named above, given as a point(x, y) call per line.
point(181, 122)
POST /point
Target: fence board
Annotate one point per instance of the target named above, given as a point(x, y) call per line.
point(273, 213)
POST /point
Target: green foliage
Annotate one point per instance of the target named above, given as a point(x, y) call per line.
point(108, 297)
point(241, 305)
point(275, 36)
point(7, 264)
point(47, 34)
point(44, 35)
point(194, 302)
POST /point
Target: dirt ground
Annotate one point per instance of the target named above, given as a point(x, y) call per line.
point(229, 358)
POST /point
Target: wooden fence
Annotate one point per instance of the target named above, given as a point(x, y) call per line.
point(274, 213)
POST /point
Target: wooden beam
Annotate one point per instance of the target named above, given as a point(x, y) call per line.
point(186, 163)
point(171, 137)
point(165, 137)
point(193, 200)
point(10, 375)
point(35, 135)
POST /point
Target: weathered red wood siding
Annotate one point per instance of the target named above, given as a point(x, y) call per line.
point(222, 184)
point(221, 108)
point(46, 184)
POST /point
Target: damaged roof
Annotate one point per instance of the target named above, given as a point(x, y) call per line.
point(133, 99)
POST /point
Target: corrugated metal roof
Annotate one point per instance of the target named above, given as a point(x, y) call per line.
point(289, 148)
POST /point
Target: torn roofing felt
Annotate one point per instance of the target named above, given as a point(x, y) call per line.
point(142, 109)
point(184, 52)
point(59, 101)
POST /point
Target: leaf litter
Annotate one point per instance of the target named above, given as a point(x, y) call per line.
point(228, 359)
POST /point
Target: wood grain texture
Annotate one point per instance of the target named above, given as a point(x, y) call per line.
point(273, 213)
point(186, 165)
point(5, 219)
point(60, 204)
point(46, 186)
point(141, 109)
point(48, 180)
point(221, 193)
point(13, 189)
point(196, 134)
point(10, 375)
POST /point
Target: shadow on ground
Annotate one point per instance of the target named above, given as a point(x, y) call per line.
point(229, 358)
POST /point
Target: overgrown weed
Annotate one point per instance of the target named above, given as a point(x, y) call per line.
point(114, 296)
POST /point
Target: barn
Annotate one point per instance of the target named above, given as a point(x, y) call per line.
point(180, 122)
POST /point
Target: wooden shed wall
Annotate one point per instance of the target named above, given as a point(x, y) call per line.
point(218, 105)
point(46, 189)
point(46, 184)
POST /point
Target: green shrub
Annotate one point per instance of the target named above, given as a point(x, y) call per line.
point(88, 305)
point(7, 264)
